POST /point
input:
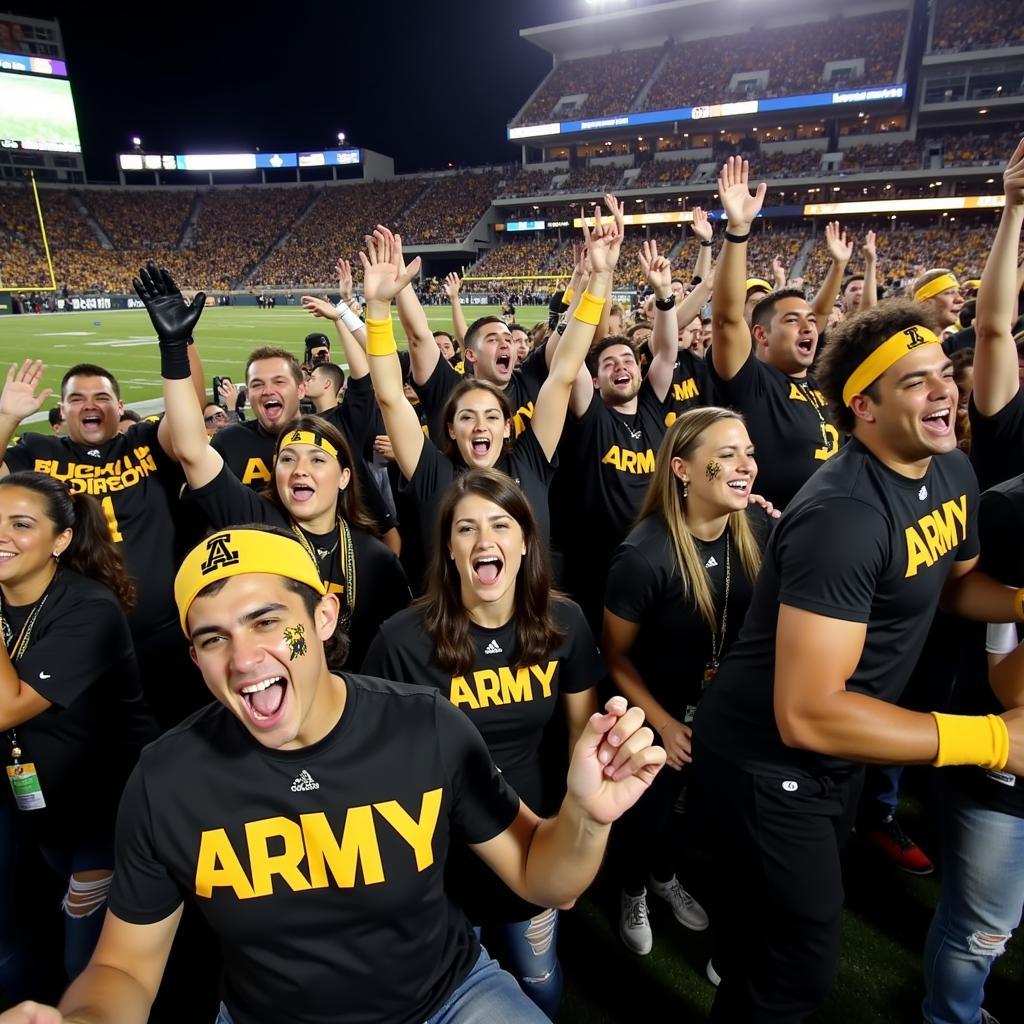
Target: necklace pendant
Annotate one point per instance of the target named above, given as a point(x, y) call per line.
point(710, 670)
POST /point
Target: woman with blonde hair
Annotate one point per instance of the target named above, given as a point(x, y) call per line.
point(678, 590)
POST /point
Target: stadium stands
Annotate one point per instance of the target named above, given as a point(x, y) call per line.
point(449, 208)
point(875, 156)
point(965, 150)
point(146, 217)
point(969, 25)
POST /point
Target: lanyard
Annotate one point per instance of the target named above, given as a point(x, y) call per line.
point(17, 649)
point(718, 634)
point(347, 560)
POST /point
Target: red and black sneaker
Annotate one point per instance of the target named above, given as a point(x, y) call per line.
point(898, 848)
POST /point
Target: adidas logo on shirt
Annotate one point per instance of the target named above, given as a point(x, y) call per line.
point(305, 783)
point(493, 648)
point(94, 452)
point(710, 563)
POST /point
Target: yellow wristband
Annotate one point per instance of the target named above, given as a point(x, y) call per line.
point(380, 337)
point(567, 296)
point(589, 308)
point(972, 739)
point(1018, 604)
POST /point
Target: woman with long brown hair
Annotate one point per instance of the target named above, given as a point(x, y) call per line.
point(494, 638)
point(70, 703)
point(678, 589)
point(314, 491)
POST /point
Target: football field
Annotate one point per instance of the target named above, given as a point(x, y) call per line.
point(123, 341)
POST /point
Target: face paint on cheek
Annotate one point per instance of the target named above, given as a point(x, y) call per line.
point(295, 638)
point(712, 469)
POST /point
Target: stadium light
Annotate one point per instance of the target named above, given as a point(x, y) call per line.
point(136, 142)
point(341, 138)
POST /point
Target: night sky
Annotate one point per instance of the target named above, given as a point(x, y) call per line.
point(425, 83)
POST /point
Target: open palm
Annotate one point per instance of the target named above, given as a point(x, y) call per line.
point(740, 204)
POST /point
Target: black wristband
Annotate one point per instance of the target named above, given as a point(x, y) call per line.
point(174, 360)
point(730, 237)
point(706, 243)
point(696, 280)
point(666, 304)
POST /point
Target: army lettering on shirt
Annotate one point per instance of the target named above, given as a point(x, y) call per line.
point(789, 423)
point(522, 391)
point(283, 851)
point(691, 386)
point(137, 486)
point(860, 543)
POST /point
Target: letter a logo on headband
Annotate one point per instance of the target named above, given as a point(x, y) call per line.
point(218, 554)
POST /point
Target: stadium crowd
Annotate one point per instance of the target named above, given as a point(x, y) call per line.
point(395, 520)
point(964, 25)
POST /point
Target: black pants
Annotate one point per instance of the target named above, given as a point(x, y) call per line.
point(774, 841)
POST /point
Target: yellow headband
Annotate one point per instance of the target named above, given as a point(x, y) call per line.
point(306, 437)
point(974, 282)
point(757, 282)
point(940, 284)
point(891, 350)
point(235, 552)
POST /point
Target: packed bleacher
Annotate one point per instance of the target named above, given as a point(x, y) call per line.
point(518, 258)
point(879, 156)
point(143, 217)
point(665, 172)
point(974, 148)
point(449, 208)
point(968, 25)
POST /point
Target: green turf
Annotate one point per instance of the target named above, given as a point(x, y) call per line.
point(124, 343)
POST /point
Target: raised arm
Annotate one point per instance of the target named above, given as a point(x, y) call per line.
point(382, 281)
point(701, 227)
point(730, 335)
point(840, 249)
point(452, 286)
point(665, 336)
point(577, 284)
point(18, 400)
point(603, 245)
point(870, 251)
point(351, 343)
point(995, 355)
point(778, 272)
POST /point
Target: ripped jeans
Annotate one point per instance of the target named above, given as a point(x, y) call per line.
point(981, 902)
point(528, 950)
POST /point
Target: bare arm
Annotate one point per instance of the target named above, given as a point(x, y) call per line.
point(665, 336)
point(352, 346)
point(18, 400)
point(870, 298)
point(1006, 677)
point(995, 355)
point(19, 701)
point(452, 284)
point(730, 336)
point(840, 249)
point(975, 595)
point(578, 283)
point(701, 227)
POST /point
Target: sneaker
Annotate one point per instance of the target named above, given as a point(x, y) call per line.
point(634, 924)
point(713, 976)
point(889, 839)
point(688, 912)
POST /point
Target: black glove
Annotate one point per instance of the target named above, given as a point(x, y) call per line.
point(556, 307)
point(172, 318)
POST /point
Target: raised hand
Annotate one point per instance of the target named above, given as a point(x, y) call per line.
point(839, 247)
point(452, 285)
point(868, 248)
point(1013, 177)
point(344, 269)
point(228, 393)
point(18, 398)
point(320, 307)
point(604, 240)
point(614, 762)
point(657, 269)
point(740, 204)
point(173, 318)
point(581, 259)
point(779, 272)
point(384, 275)
point(700, 225)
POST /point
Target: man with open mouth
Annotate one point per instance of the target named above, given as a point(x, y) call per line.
point(309, 815)
point(763, 370)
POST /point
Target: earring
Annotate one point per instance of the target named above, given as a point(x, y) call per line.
point(685, 487)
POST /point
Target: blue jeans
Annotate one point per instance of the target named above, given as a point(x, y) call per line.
point(981, 902)
point(529, 952)
point(487, 995)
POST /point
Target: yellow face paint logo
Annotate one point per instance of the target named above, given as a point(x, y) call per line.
point(295, 638)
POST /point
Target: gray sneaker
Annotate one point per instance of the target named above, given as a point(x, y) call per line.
point(634, 924)
point(688, 912)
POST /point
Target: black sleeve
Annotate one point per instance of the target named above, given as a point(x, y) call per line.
point(582, 666)
point(527, 453)
point(535, 371)
point(20, 456)
point(226, 501)
point(483, 803)
point(970, 546)
point(831, 556)
point(961, 340)
point(145, 433)
point(433, 473)
point(376, 506)
point(354, 415)
point(87, 640)
point(433, 393)
point(999, 529)
point(143, 891)
point(648, 398)
point(997, 442)
point(633, 586)
point(391, 587)
point(746, 387)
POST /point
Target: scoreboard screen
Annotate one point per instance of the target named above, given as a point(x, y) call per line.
point(37, 114)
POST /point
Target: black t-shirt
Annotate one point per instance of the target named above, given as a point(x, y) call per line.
point(248, 451)
point(1000, 525)
point(789, 423)
point(997, 442)
point(84, 746)
point(859, 543)
point(521, 391)
point(525, 462)
point(321, 870)
point(674, 644)
point(381, 587)
point(511, 706)
point(137, 484)
point(691, 386)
